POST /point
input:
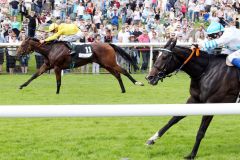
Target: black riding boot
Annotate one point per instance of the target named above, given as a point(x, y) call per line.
point(71, 47)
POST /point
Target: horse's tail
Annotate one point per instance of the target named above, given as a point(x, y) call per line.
point(125, 55)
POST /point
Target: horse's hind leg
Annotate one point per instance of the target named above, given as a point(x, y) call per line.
point(159, 133)
point(41, 70)
point(206, 120)
point(124, 72)
point(118, 76)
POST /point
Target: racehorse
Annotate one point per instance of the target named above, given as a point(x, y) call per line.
point(212, 81)
point(57, 56)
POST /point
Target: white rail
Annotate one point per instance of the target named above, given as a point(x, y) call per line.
point(150, 45)
point(118, 110)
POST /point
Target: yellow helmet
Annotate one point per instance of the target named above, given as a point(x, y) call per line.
point(52, 27)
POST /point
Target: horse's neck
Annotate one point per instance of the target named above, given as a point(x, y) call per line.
point(39, 48)
point(196, 65)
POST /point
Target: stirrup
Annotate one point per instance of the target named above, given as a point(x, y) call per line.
point(72, 52)
point(70, 45)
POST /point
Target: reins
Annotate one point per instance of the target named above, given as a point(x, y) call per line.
point(194, 51)
point(40, 45)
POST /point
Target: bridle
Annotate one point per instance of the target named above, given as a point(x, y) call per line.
point(27, 48)
point(162, 72)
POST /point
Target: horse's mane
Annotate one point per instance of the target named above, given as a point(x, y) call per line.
point(219, 55)
point(204, 52)
point(66, 43)
point(51, 42)
point(56, 41)
point(35, 39)
point(187, 48)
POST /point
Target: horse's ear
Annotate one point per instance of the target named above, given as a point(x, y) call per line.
point(168, 43)
point(173, 44)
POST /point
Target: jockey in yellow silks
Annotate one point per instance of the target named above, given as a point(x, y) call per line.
point(71, 32)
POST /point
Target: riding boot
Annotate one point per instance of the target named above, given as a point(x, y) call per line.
point(236, 62)
point(71, 46)
point(73, 51)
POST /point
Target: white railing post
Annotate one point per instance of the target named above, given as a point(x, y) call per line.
point(151, 57)
point(118, 44)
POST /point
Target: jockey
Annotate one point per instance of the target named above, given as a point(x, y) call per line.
point(70, 31)
point(228, 37)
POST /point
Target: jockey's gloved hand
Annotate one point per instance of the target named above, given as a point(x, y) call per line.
point(198, 45)
point(194, 45)
point(41, 41)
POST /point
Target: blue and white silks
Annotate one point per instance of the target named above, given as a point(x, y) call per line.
point(230, 40)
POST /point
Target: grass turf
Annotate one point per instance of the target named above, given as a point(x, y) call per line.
point(92, 89)
point(115, 139)
point(107, 138)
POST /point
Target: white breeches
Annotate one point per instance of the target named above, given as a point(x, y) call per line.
point(233, 55)
point(72, 38)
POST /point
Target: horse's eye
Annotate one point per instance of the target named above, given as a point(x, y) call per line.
point(164, 57)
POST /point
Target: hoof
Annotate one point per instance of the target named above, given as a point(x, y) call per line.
point(189, 157)
point(21, 87)
point(150, 142)
point(123, 91)
point(139, 83)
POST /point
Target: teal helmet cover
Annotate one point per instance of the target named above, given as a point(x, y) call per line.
point(215, 27)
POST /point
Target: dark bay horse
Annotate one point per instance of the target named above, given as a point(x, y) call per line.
point(57, 56)
point(212, 81)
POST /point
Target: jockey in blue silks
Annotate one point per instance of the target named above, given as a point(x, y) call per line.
point(228, 37)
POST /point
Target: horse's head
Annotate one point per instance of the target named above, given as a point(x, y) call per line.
point(25, 47)
point(165, 64)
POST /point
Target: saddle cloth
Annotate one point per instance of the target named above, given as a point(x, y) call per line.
point(82, 51)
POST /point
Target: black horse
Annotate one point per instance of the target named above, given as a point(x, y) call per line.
point(212, 81)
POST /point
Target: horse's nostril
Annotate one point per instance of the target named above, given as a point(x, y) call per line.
point(149, 78)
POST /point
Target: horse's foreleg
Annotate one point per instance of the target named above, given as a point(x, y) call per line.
point(159, 133)
point(41, 70)
point(57, 71)
point(118, 76)
point(191, 99)
point(124, 72)
point(206, 120)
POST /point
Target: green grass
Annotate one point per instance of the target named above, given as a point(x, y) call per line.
point(107, 138)
point(115, 138)
point(92, 89)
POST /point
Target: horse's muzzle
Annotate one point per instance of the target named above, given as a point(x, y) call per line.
point(153, 80)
